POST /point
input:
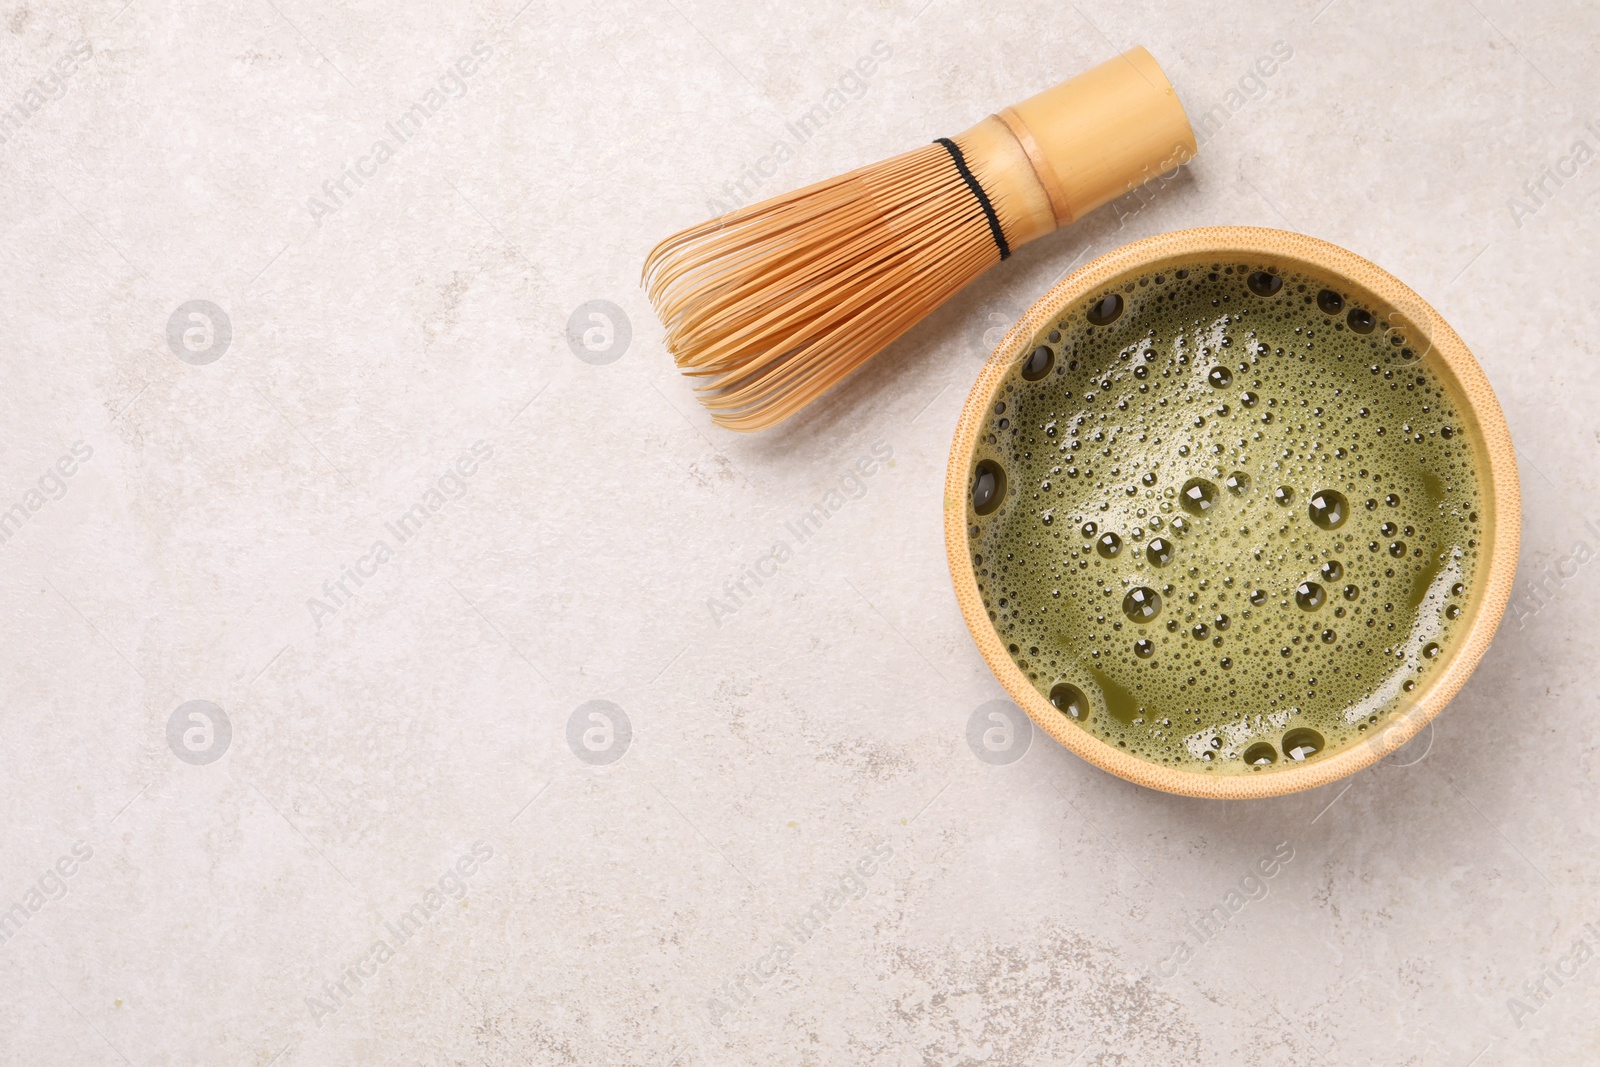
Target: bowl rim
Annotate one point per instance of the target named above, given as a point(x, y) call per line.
point(1502, 502)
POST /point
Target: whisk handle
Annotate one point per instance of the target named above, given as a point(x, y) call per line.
point(1102, 133)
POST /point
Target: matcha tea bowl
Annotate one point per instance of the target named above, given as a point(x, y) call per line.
point(1232, 512)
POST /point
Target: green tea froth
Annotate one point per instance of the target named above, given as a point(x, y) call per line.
point(1227, 520)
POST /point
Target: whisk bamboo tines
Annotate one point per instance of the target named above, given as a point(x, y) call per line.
point(775, 303)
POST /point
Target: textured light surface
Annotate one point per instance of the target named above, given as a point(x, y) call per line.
point(673, 684)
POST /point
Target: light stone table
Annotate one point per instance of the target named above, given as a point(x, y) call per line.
point(400, 668)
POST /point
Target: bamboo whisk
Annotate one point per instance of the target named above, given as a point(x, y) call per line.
point(775, 303)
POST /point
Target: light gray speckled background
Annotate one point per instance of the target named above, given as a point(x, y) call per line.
point(638, 912)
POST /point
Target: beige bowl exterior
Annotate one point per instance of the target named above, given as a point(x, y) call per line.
point(1486, 424)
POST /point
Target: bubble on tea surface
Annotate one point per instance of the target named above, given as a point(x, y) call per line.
point(988, 487)
point(1261, 754)
point(1106, 311)
point(1330, 302)
point(1159, 551)
point(1219, 377)
point(1142, 604)
point(1302, 743)
point(1333, 570)
point(1197, 496)
point(1039, 363)
point(1263, 284)
point(1237, 483)
point(1360, 320)
point(1144, 648)
point(1283, 495)
point(1309, 596)
point(1329, 509)
point(1070, 701)
point(1109, 545)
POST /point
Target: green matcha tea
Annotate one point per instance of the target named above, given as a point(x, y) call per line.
point(1225, 517)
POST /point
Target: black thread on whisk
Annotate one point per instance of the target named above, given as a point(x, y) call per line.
point(983, 198)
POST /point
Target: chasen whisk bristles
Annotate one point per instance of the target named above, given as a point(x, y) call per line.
point(774, 304)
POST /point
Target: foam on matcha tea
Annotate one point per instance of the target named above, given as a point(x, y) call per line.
point(1224, 517)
